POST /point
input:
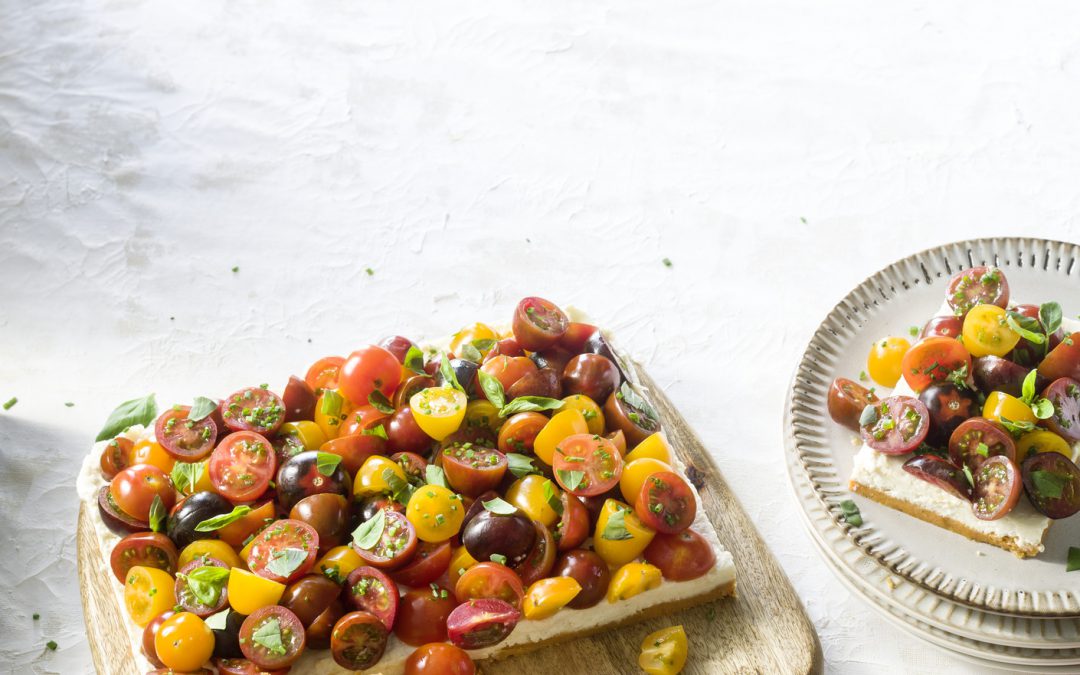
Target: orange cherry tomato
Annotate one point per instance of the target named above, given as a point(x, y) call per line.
point(932, 360)
point(323, 374)
point(184, 642)
point(367, 370)
point(509, 369)
point(149, 452)
point(519, 432)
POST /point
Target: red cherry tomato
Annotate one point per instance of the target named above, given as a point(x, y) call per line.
point(541, 558)
point(354, 449)
point(284, 551)
point(943, 326)
point(369, 590)
point(429, 563)
point(666, 503)
point(1063, 360)
point(358, 641)
point(422, 615)
point(439, 658)
point(404, 434)
point(538, 324)
point(188, 601)
point(182, 438)
point(967, 441)
point(997, 488)
point(323, 374)
point(253, 409)
point(366, 370)
point(481, 623)
point(116, 456)
point(932, 360)
point(587, 465)
point(133, 490)
point(146, 549)
point(573, 527)
point(490, 580)
point(398, 346)
point(285, 639)
point(396, 545)
point(242, 466)
point(681, 557)
point(519, 432)
point(149, 650)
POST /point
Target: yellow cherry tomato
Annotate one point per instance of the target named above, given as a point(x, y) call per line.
point(246, 551)
point(470, 334)
point(986, 332)
point(534, 494)
point(620, 535)
point(310, 434)
point(338, 563)
point(1001, 405)
point(460, 561)
point(438, 411)
point(547, 596)
point(883, 364)
point(663, 652)
point(655, 446)
point(184, 642)
point(215, 548)
point(594, 416)
point(482, 414)
point(331, 410)
point(435, 512)
point(631, 579)
point(370, 478)
point(1041, 441)
point(562, 424)
point(150, 452)
point(148, 592)
point(249, 592)
point(634, 475)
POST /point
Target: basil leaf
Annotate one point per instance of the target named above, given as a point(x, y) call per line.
point(471, 353)
point(414, 360)
point(218, 522)
point(326, 463)
point(1048, 483)
point(377, 430)
point(529, 404)
point(381, 403)
point(129, 413)
point(484, 344)
point(967, 475)
point(1050, 316)
point(206, 582)
point(449, 378)
point(520, 465)
point(1043, 408)
point(1017, 427)
point(217, 621)
point(551, 498)
point(400, 490)
point(185, 475)
point(268, 636)
point(286, 561)
point(1027, 390)
point(1025, 327)
point(851, 513)
point(157, 514)
point(1073, 562)
point(436, 476)
point(493, 389)
point(369, 533)
point(500, 507)
point(983, 449)
point(570, 479)
point(332, 402)
point(869, 416)
point(629, 395)
point(201, 408)
point(615, 530)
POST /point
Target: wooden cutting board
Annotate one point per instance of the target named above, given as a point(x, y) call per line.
point(764, 629)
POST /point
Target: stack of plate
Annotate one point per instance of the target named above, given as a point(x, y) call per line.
point(972, 599)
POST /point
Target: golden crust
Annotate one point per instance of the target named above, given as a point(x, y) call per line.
point(1007, 543)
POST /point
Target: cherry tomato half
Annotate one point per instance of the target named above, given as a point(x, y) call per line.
point(1063, 360)
point(429, 563)
point(547, 596)
point(369, 590)
point(538, 324)
point(986, 333)
point(663, 652)
point(943, 326)
point(367, 370)
point(587, 465)
point(883, 363)
point(324, 373)
point(242, 466)
point(977, 439)
point(490, 580)
point(976, 286)
point(476, 624)
point(148, 592)
point(114, 458)
point(1052, 482)
point(358, 641)
point(666, 503)
point(896, 426)
point(438, 411)
point(519, 431)
point(182, 438)
point(436, 512)
point(933, 360)
point(997, 487)
point(473, 469)
point(940, 472)
point(189, 601)
point(253, 409)
point(146, 549)
point(284, 552)
point(272, 637)
point(1064, 393)
point(394, 547)
point(541, 558)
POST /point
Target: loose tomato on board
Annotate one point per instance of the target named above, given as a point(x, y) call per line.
point(587, 465)
point(285, 551)
point(367, 370)
point(184, 642)
point(976, 286)
point(148, 592)
point(242, 466)
point(253, 409)
point(666, 503)
point(933, 360)
point(986, 333)
point(847, 400)
point(663, 652)
point(546, 597)
point(681, 557)
point(370, 590)
point(359, 640)
point(538, 324)
point(145, 549)
point(439, 658)
point(422, 614)
point(896, 425)
point(183, 438)
point(133, 490)
point(272, 637)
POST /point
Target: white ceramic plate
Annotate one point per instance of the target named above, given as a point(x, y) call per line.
point(880, 586)
point(905, 294)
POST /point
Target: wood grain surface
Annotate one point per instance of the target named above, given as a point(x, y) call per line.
point(763, 629)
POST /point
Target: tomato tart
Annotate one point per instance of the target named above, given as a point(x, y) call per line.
point(406, 508)
point(981, 429)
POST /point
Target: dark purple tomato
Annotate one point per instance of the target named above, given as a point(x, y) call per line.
point(200, 506)
point(538, 324)
point(464, 371)
point(489, 534)
point(636, 423)
point(329, 514)
point(397, 345)
point(976, 286)
point(555, 358)
point(299, 400)
point(847, 400)
point(977, 439)
point(591, 375)
point(948, 405)
point(316, 601)
point(413, 385)
point(589, 570)
point(997, 488)
point(542, 382)
point(404, 434)
point(993, 373)
point(1052, 482)
point(1064, 393)
point(372, 505)
point(481, 623)
point(598, 344)
point(477, 507)
point(895, 426)
point(940, 472)
point(300, 477)
point(115, 519)
point(943, 326)
point(227, 639)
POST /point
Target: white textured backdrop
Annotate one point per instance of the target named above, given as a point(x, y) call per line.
point(470, 153)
